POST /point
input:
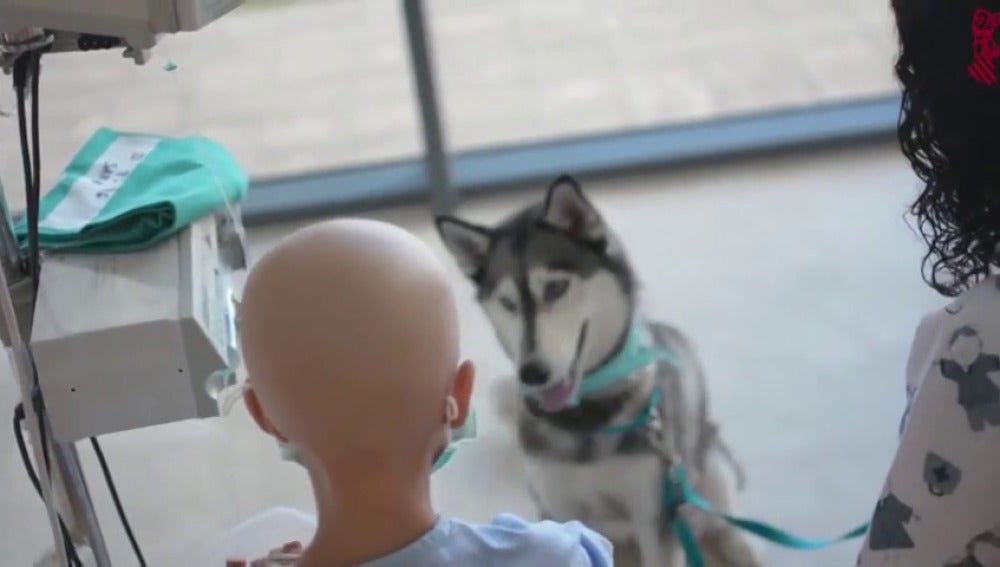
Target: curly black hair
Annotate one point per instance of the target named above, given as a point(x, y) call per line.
point(949, 130)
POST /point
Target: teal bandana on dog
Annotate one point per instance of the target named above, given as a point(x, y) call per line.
point(634, 355)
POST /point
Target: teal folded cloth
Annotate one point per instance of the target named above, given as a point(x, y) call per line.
point(125, 192)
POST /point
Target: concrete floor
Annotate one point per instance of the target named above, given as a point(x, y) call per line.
point(796, 276)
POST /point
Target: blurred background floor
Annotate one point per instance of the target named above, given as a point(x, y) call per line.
point(290, 87)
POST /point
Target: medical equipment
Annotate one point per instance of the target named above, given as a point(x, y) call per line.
point(162, 323)
point(102, 24)
point(186, 289)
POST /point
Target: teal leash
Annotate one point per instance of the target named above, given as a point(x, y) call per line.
point(677, 489)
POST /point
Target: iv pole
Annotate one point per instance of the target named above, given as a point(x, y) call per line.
point(63, 487)
point(66, 487)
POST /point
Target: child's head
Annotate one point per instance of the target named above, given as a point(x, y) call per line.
point(350, 335)
point(950, 131)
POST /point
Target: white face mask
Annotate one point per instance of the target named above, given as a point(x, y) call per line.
point(467, 432)
point(289, 452)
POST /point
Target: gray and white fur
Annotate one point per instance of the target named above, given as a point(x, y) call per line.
point(559, 291)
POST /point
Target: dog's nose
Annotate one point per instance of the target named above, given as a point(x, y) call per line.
point(534, 374)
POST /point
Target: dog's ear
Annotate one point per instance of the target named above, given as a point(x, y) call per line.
point(567, 209)
point(468, 243)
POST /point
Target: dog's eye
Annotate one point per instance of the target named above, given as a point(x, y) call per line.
point(554, 290)
point(508, 304)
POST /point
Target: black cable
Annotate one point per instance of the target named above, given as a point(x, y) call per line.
point(30, 63)
point(118, 503)
point(29, 66)
point(20, 84)
point(33, 203)
point(22, 447)
point(36, 190)
point(19, 417)
point(23, 66)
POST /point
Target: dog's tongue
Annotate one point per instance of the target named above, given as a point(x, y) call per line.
point(558, 397)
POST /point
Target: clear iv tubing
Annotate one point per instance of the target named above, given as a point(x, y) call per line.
point(22, 367)
point(226, 394)
point(186, 104)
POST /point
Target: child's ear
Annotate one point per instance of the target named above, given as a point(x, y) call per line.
point(259, 416)
point(461, 391)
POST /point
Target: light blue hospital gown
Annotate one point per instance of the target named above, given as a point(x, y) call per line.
point(940, 506)
point(507, 541)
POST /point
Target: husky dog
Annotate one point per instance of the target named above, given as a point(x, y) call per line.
point(562, 298)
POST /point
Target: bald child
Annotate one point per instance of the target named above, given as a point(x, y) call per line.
point(349, 331)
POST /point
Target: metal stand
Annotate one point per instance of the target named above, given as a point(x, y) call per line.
point(435, 159)
point(71, 484)
point(66, 487)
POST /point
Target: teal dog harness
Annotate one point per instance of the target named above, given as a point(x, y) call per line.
point(677, 489)
point(633, 356)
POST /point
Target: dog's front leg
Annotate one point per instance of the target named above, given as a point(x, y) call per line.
point(647, 539)
point(646, 514)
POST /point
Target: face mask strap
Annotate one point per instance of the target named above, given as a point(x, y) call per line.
point(228, 396)
point(455, 435)
point(289, 453)
point(451, 409)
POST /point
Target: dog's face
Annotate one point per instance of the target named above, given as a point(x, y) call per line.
point(554, 284)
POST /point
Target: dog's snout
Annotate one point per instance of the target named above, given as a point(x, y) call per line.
point(534, 374)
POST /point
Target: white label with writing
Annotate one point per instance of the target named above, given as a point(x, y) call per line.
point(91, 192)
